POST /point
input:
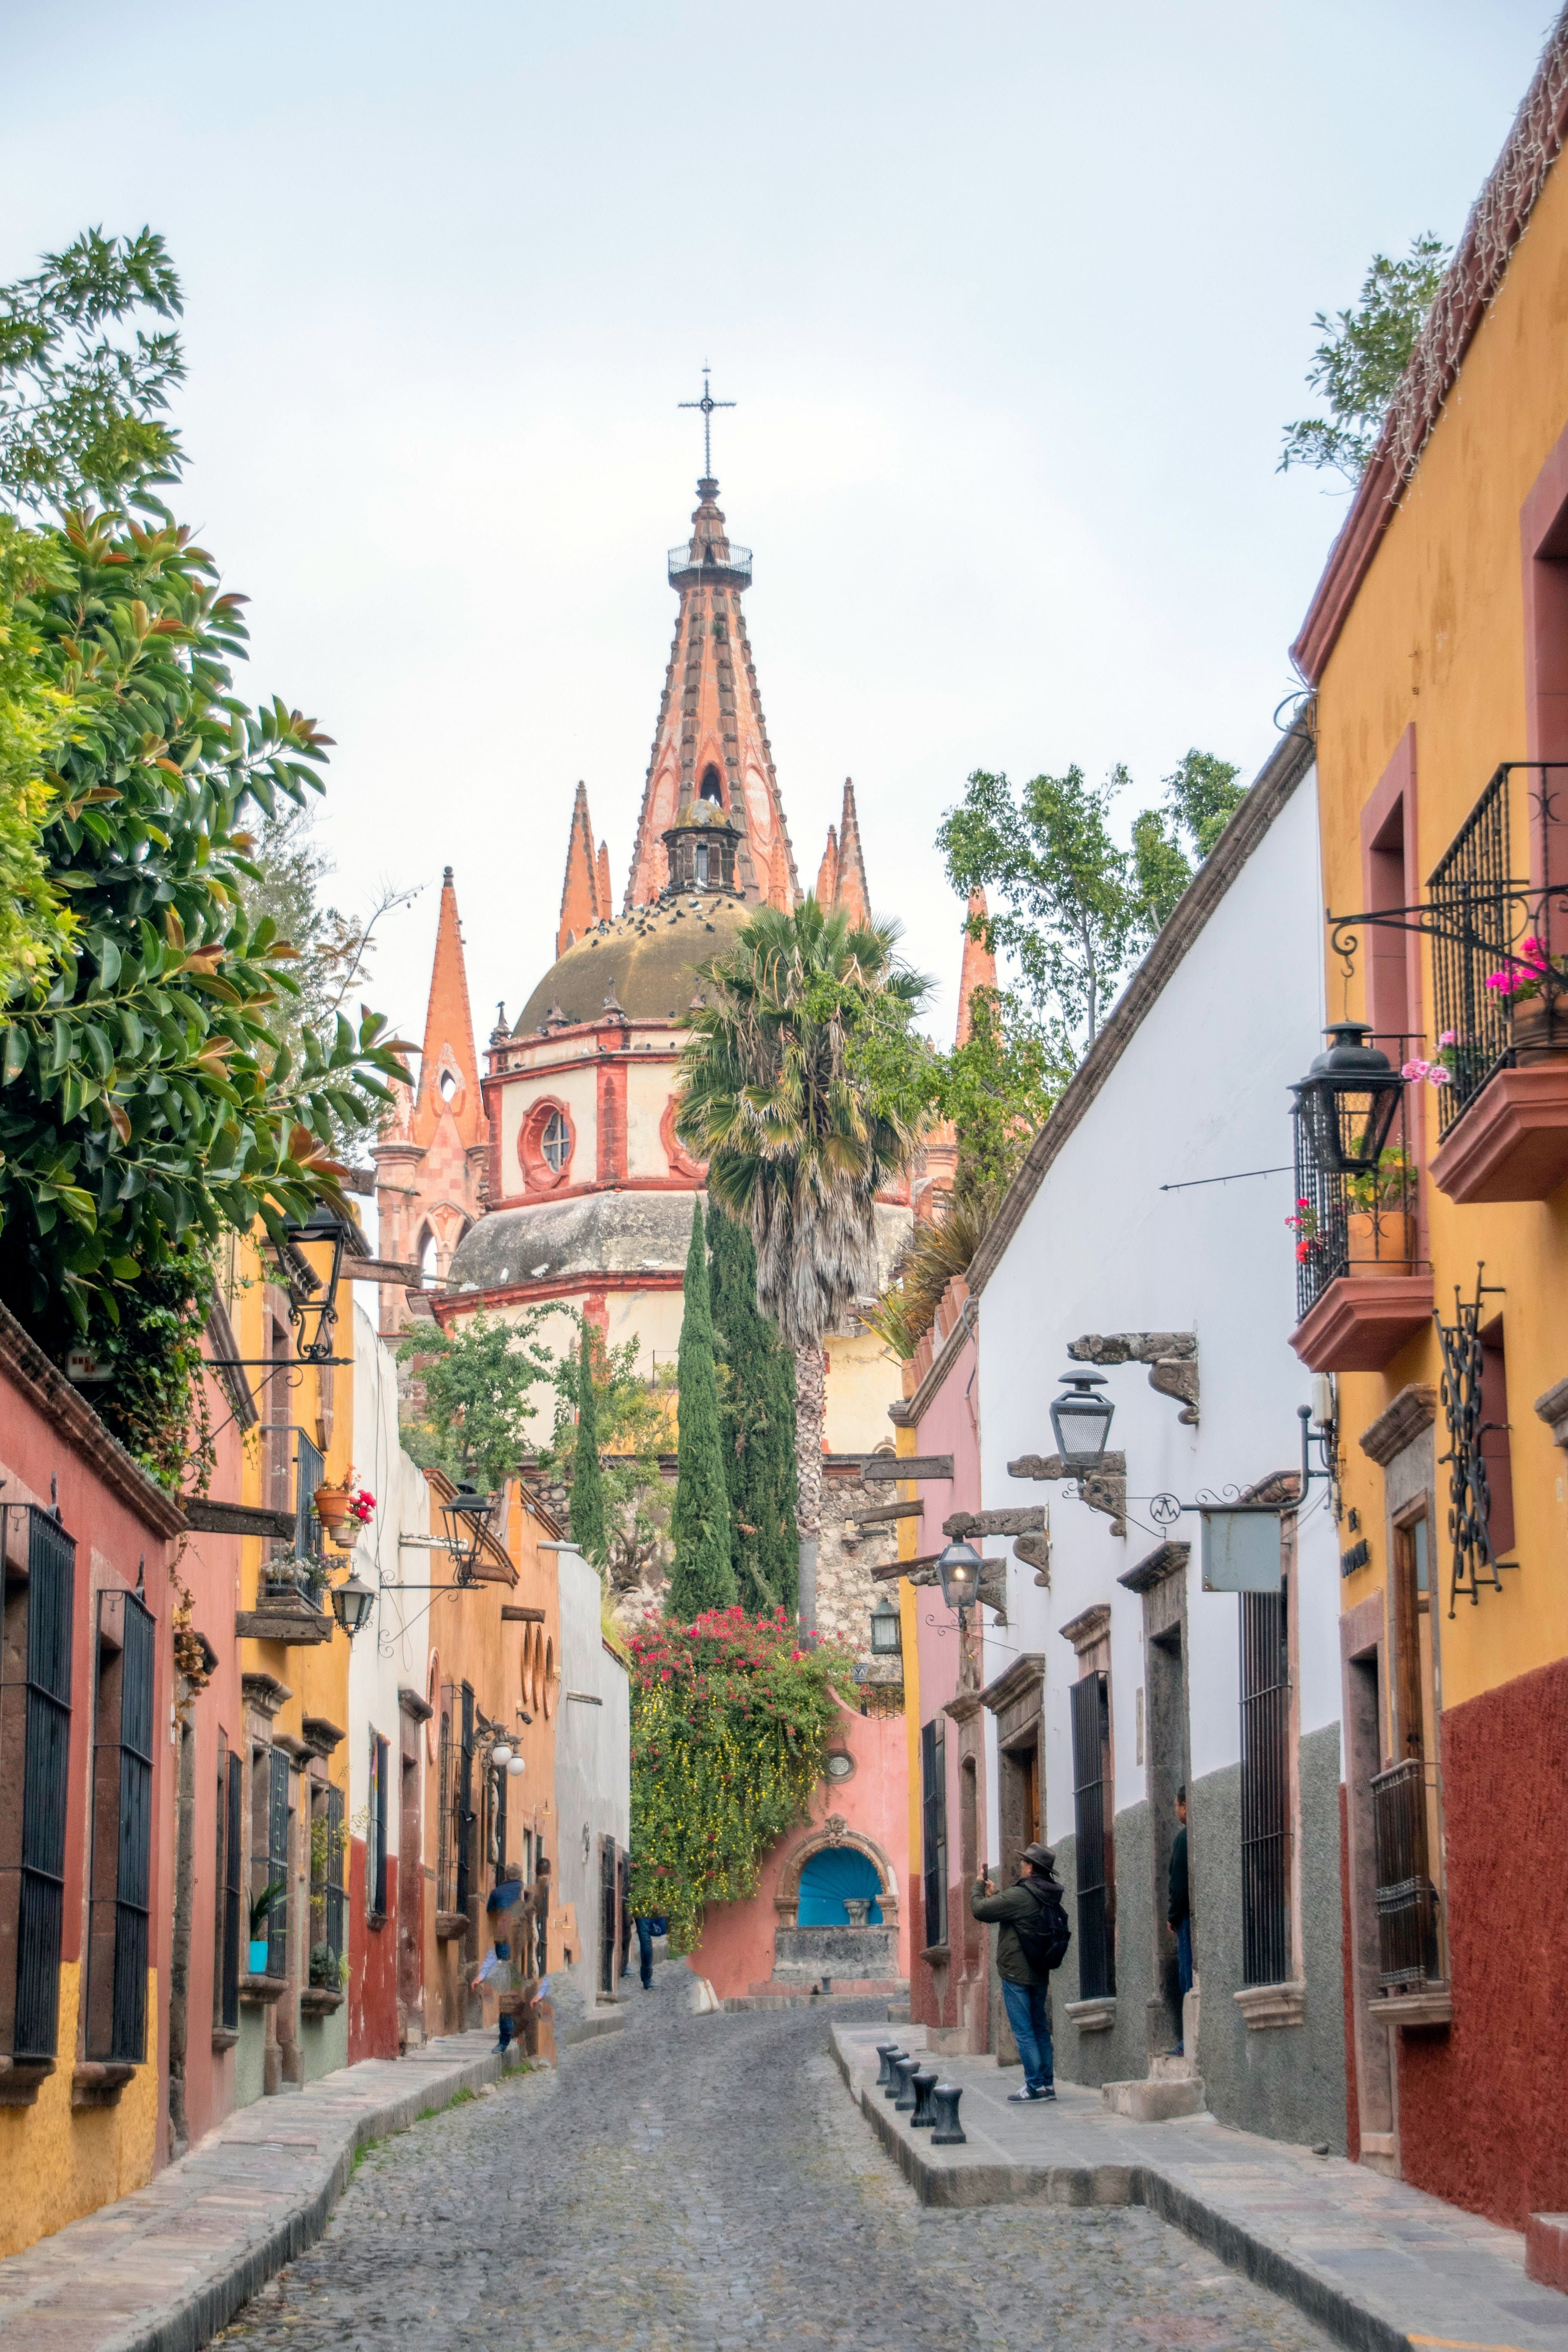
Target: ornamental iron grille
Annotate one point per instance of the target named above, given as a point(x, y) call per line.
point(1348, 1225)
point(933, 1841)
point(1464, 1408)
point(446, 1787)
point(231, 1798)
point(336, 1901)
point(463, 1813)
point(276, 1867)
point(1407, 1899)
point(119, 1880)
point(34, 1754)
point(1264, 1787)
point(1092, 1823)
point(1500, 940)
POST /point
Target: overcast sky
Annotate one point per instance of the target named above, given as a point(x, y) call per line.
point(1014, 302)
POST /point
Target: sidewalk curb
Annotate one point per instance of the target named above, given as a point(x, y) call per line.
point(192, 2315)
point(1128, 2184)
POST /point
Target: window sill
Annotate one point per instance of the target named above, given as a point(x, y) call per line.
point(20, 2078)
point(224, 2037)
point(1432, 2005)
point(1093, 2016)
point(1268, 2006)
point(937, 1956)
point(96, 2084)
point(260, 1993)
point(320, 2001)
point(375, 1919)
point(451, 1925)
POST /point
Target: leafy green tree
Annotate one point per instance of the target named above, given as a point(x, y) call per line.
point(798, 1144)
point(1168, 843)
point(1069, 914)
point(701, 1577)
point(756, 1417)
point(587, 1516)
point(81, 414)
point(1363, 354)
point(479, 1383)
point(635, 1425)
point(36, 923)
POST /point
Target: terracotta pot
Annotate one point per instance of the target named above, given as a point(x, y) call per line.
point(1381, 1236)
point(332, 1509)
point(1538, 1026)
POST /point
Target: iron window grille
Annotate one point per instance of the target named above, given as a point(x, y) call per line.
point(1489, 925)
point(447, 1799)
point(297, 1563)
point(1474, 1562)
point(329, 1890)
point(376, 1870)
point(35, 1761)
point(276, 1867)
point(464, 1816)
point(231, 1799)
point(608, 1935)
point(541, 1920)
point(119, 1880)
point(1350, 1224)
point(1407, 1949)
point(1093, 1842)
point(933, 1815)
point(1266, 1786)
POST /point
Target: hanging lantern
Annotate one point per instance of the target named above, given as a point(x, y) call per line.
point(1081, 1419)
point(1347, 1101)
point(887, 1634)
point(465, 1514)
point(351, 1604)
point(312, 1301)
point(959, 1567)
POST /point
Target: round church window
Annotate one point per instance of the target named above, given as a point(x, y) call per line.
point(556, 1141)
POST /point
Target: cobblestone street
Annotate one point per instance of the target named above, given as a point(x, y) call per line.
point(704, 2181)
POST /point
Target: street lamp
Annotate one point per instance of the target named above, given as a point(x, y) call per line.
point(465, 1514)
point(1347, 1101)
point(351, 1604)
point(312, 1302)
point(887, 1635)
point(959, 1567)
point(1081, 1419)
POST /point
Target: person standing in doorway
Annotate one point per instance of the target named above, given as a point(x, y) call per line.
point(1032, 1940)
point(1179, 1911)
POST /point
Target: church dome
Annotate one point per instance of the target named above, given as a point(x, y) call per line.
point(646, 1234)
point(647, 960)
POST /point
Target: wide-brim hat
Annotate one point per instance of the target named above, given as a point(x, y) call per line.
point(1039, 1857)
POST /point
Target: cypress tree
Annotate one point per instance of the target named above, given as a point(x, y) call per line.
point(757, 1423)
point(703, 1576)
point(588, 1512)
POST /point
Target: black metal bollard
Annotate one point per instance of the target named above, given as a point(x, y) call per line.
point(884, 2052)
point(949, 2132)
point(895, 2082)
point(924, 2083)
point(906, 2069)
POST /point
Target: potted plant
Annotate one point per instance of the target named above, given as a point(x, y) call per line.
point(336, 1504)
point(327, 1967)
point(1531, 982)
point(260, 1911)
point(1380, 1206)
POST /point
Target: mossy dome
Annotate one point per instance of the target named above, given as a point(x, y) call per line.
point(647, 960)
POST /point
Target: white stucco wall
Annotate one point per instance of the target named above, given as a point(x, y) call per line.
point(593, 1753)
point(391, 1648)
point(1200, 1092)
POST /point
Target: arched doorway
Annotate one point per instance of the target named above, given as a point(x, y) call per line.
point(834, 1875)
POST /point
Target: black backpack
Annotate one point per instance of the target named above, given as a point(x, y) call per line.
point(1044, 1939)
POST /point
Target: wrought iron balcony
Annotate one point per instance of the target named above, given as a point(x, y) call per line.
point(1348, 1225)
point(1407, 1943)
point(723, 558)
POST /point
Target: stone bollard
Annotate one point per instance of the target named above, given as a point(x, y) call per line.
point(895, 2082)
point(906, 2069)
point(949, 2132)
point(884, 2052)
point(924, 2083)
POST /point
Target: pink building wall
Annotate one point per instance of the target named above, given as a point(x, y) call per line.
point(736, 1953)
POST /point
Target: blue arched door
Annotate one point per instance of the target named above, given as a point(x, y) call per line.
point(832, 1873)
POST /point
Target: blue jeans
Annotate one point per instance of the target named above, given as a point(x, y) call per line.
point(1184, 1957)
point(1031, 2023)
point(645, 1949)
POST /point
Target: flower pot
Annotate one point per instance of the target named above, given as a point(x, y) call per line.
point(1538, 1026)
point(332, 1506)
point(1381, 1236)
point(259, 1955)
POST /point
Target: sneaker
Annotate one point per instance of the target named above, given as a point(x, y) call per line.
point(500, 2049)
point(1048, 2093)
point(1020, 2098)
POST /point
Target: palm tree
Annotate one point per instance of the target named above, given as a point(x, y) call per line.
point(775, 1096)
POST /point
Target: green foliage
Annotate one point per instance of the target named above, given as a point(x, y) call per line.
point(587, 1479)
point(731, 1720)
point(155, 1350)
point(794, 1090)
point(36, 925)
point(701, 1577)
point(634, 1425)
point(935, 1252)
point(263, 1903)
point(1200, 799)
point(1361, 357)
point(756, 1419)
point(79, 412)
point(479, 1381)
point(1069, 914)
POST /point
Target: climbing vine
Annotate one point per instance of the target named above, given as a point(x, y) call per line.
point(729, 1724)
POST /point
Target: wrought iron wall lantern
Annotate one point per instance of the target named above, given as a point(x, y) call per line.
point(959, 1570)
point(1348, 1101)
point(1080, 1420)
point(887, 1634)
point(312, 1299)
point(467, 1514)
point(351, 1604)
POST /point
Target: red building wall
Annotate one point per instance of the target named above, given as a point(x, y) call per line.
point(372, 1965)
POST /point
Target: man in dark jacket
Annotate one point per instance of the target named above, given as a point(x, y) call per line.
point(1037, 1899)
point(1179, 1911)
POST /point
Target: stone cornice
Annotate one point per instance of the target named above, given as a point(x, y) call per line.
point(1083, 1631)
point(45, 1387)
point(1024, 1675)
point(1166, 1559)
point(1414, 1410)
point(1276, 781)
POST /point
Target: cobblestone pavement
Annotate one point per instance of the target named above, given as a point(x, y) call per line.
point(700, 2183)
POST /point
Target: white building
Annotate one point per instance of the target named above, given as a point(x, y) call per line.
point(1118, 1251)
point(593, 1781)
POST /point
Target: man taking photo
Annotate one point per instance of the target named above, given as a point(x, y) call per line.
point(1032, 1940)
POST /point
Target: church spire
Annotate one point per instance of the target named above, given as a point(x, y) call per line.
point(979, 969)
point(585, 892)
point(448, 1065)
point(711, 741)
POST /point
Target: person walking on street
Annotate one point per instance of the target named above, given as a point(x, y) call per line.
point(1032, 1940)
point(646, 1931)
point(1179, 1911)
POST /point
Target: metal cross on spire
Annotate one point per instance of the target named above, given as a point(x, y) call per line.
point(707, 404)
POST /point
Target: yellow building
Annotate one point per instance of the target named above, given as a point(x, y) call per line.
point(1432, 1284)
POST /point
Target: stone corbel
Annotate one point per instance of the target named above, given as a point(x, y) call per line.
point(1553, 1410)
point(1172, 1357)
point(1104, 1489)
point(1035, 1551)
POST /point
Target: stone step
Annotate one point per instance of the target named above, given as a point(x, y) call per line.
point(787, 1989)
point(1154, 2102)
point(1166, 2069)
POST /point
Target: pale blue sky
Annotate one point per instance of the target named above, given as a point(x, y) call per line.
point(1015, 300)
